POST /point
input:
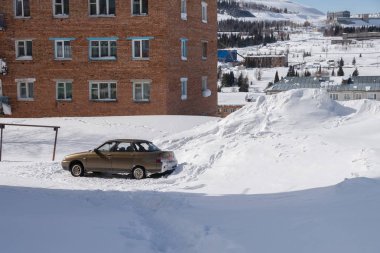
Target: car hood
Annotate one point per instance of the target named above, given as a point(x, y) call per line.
point(79, 154)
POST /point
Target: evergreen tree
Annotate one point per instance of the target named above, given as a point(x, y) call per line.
point(307, 73)
point(276, 79)
point(356, 72)
point(360, 55)
point(354, 61)
point(245, 85)
point(225, 80)
point(340, 71)
point(240, 80)
point(341, 62)
point(232, 79)
point(333, 72)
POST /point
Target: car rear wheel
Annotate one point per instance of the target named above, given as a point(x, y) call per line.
point(77, 170)
point(138, 173)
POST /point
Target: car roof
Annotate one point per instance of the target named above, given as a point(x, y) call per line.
point(128, 140)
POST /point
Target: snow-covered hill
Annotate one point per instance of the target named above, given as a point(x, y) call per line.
point(298, 13)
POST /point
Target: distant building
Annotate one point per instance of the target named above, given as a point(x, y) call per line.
point(332, 17)
point(225, 55)
point(361, 36)
point(359, 87)
point(266, 61)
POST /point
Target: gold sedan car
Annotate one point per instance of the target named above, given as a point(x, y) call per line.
point(140, 158)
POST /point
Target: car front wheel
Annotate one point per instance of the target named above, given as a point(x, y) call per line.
point(138, 173)
point(77, 170)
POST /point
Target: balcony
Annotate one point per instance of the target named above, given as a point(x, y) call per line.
point(2, 22)
point(3, 67)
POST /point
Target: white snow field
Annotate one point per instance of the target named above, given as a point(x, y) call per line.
point(293, 172)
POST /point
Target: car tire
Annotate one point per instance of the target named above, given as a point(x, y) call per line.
point(77, 170)
point(138, 173)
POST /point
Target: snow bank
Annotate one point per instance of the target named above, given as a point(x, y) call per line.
point(279, 143)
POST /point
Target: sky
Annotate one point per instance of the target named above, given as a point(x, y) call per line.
point(355, 6)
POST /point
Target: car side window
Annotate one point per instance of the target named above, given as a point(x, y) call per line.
point(141, 147)
point(125, 147)
point(107, 147)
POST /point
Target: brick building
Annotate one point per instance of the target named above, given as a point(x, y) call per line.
point(109, 57)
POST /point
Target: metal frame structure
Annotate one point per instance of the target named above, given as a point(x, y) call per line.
point(2, 126)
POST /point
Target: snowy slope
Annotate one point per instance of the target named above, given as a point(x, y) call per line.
point(300, 13)
point(297, 169)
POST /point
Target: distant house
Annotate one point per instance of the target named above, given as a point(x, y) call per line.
point(266, 61)
point(360, 87)
point(225, 55)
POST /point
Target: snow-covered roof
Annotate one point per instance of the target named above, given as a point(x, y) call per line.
point(359, 83)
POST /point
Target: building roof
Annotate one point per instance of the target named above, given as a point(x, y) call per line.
point(359, 83)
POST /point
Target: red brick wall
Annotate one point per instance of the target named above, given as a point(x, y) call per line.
point(164, 67)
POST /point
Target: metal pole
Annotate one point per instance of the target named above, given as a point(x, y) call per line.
point(1, 141)
point(55, 142)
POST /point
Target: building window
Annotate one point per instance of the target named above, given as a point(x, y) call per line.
point(347, 96)
point(102, 7)
point(62, 50)
point(334, 96)
point(204, 12)
point(61, 8)
point(184, 49)
point(103, 49)
point(22, 8)
point(103, 91)
point(139, 7)
point(358, 96)
point(184, 9)
point(204, 50)
point(184, 88)
point(24, 50)
point(25, 89)
point(141, 91)
point(64, 90)
point(372, 96)
point(140, 49)
point(204, 83)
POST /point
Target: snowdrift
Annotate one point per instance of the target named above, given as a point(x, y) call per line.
point(294, 140)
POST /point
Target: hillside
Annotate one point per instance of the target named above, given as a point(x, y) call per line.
point(277, 10)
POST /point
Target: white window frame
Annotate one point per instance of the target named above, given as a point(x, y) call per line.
point(204, 12)
point(141, 49)
point(109, 83)
point(64, 82)
point(143, 84)
point(23, 9)
point(63, 50)
point(109, 57)
point(98, 9)
point(141, 9)
point(184, 9)
point(184, 49)
point(62, 15)
point(26, 81)
point(204, 83)
point(346, 96)
point(26, 57)
point(357, 96)
point(184, 85)
point(202, 43)
point(334, 96)
point(372, 96)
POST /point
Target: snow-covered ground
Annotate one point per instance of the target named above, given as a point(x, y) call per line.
point(321, 51)
point(294, 172)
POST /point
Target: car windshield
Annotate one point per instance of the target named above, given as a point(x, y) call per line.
point(145, 147)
